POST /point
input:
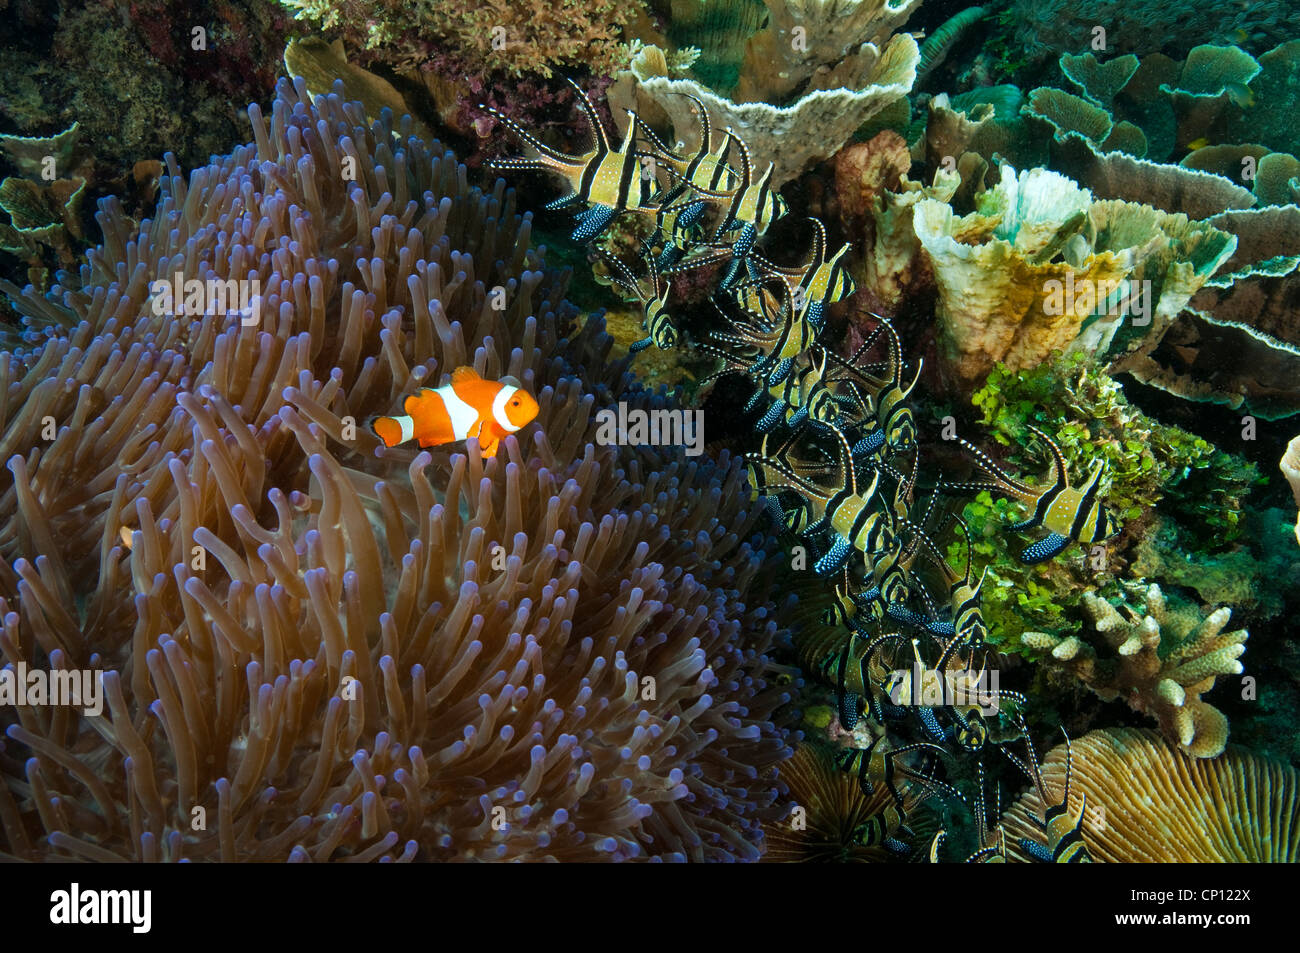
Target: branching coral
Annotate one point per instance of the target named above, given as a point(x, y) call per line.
point(1149, 803)
point(1164, 660)
point(556, 653)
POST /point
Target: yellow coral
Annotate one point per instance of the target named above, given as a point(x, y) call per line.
point(1022, 275)
point(804, 37)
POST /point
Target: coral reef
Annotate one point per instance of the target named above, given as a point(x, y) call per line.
point(1089, 417)
point(1046, 27)
point(821, 41)
point(989, 123)
point(1170, 188)
point(941, 41)
point(876, 204)
point(135, 79)
point(719, 30)
point(1164, 659)
point(1099, 82)
point(1238, 341)
point(1086, 413)
point(1149, 803)
point(41, 214)
point(847, 70)
point(561, 652)
point(1005, 297)
point(889, 270)
point(508, 37)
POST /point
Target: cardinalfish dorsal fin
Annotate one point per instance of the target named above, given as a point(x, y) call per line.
point(620, 274)
point(547, 157)
point(1061, 476)
point(602, 140)
point(658, 144)
point(819, 242)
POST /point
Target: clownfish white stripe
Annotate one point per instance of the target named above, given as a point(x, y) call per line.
point(408, 427)
point(463, 417)
point(499, 408)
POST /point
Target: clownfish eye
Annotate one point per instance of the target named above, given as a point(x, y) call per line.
point(515, 402)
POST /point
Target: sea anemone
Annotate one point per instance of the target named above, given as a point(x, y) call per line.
point(314, 649)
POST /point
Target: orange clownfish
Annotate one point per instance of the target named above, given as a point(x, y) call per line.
point(467, 407)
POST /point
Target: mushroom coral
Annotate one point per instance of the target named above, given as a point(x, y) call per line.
point(315, 650)
point(831, 807)
point(1149, 803)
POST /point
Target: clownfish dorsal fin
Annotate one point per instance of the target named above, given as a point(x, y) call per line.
point(411, 405)
point(463, 375)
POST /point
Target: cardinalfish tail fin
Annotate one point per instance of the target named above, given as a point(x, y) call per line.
point(393, 430)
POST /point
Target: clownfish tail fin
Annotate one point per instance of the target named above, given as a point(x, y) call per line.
point(393, 430)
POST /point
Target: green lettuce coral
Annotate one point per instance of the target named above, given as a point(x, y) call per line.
point(1086, 413)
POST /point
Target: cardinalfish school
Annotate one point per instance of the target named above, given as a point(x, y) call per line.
point(835, 460)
